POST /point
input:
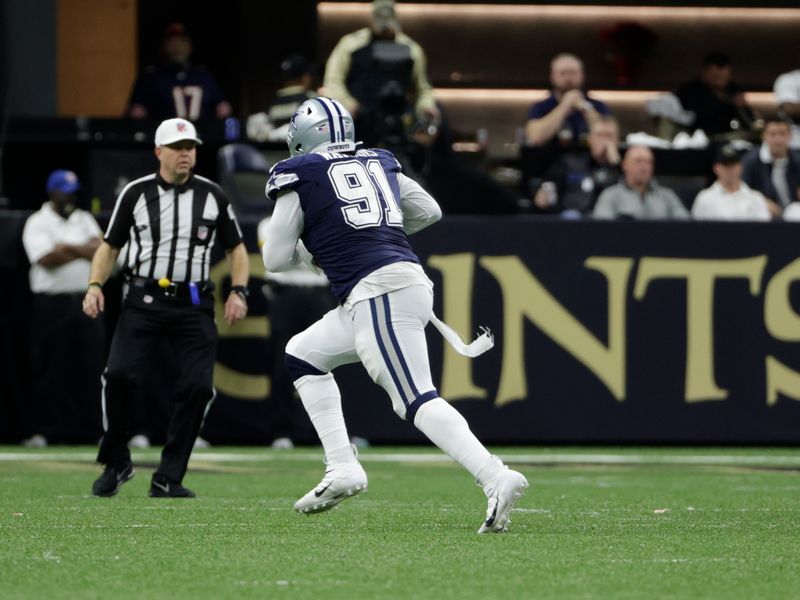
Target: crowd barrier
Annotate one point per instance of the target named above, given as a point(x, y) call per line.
point(606, 332)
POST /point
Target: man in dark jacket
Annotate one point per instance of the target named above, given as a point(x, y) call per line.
point(772, 168)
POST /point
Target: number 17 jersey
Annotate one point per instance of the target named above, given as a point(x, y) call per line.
point(353, 224)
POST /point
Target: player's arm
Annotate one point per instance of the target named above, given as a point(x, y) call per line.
point(425, 104)
point(336, 70)
point(283, 232)
point(62, 254)
point(418, 206)
point(104, 258)
point(541, 130)
point(117, 234)
point(235, 304)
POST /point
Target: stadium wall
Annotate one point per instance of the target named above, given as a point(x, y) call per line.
point(618, 332)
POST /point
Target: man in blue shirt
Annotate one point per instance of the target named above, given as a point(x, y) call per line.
point(349, 212)
point(566, 115)
point(177, 88)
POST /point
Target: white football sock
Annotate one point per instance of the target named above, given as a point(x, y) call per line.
point(323, 403)
point(446, 428)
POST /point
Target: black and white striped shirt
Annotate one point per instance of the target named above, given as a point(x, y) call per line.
point(170, 229)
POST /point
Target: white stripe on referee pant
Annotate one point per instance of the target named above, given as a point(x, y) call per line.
point(103, 401)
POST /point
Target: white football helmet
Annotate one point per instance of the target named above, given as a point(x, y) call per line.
point(321, 125)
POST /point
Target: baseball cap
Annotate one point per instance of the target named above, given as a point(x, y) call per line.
point(62, 181)
point(384, 16)
point(294, 66)
point(175, 29)
point(727, 155)
point(175, 130)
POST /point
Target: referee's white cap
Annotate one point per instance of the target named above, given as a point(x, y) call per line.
point(176, 130)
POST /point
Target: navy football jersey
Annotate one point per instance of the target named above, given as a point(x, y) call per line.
point(353, 224)
point(166, 91)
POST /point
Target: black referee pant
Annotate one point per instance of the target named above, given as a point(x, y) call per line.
point(148, 315)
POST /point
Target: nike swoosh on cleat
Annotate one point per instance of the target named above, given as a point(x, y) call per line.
point(491, 519)
point(164, 488)
point(321, 491)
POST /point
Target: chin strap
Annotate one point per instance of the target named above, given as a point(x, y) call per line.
point(484, 342)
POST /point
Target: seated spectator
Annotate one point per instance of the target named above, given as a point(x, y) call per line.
point(66, 348)
point(716, 100)
point(729, 198)
point(577, 178)
point(787, 96)
point(565, 116)
point(177, 88)
point(772, 168)
point(638, 195)
point(297, 77)
point(458, 188)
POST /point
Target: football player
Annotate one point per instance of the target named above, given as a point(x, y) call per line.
point(348, 212)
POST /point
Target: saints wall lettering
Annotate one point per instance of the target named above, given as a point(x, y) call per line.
point(604, 332)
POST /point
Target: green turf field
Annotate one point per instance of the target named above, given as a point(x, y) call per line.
point(596, 523)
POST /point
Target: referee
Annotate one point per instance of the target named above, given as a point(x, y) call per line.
point(170, 221)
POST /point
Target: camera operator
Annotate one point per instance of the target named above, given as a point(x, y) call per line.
point(378, 73)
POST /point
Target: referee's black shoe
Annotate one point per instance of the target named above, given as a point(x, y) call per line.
point(111, 480)
point(161, 487)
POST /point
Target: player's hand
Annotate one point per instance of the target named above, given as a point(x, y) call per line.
point(94, 302)
point(235, 308)
point(612, 154)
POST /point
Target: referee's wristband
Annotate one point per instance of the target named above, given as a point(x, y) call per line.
point(94, 283)
point(241, 290)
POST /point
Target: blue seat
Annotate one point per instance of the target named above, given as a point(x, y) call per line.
point(243, 173)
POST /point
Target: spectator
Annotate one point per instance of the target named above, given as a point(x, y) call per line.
point(66, 348)
point(716, 100)
point(459, 189)
point(568, 112)
point(379, 74)
point(729, 198)
point(772, 168)
point(297, 77)
point(577, 178)
point(177, 88)
point(638, 195)
point(787, 96)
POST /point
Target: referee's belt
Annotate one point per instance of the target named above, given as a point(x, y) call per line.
point(174, 289)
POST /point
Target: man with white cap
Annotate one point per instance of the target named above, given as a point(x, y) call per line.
point(170, 220)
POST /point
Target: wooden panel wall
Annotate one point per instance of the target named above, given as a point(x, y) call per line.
point(96, 56)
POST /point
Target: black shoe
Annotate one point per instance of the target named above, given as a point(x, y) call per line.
point(161, 487)
point(111, 480)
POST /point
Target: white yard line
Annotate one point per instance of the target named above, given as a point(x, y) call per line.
point(733, 460)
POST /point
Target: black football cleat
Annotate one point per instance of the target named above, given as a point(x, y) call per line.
point(111, 480)
point(161, 487)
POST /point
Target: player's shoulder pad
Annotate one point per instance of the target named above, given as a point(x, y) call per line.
point(284, 175)
point(385, 156)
